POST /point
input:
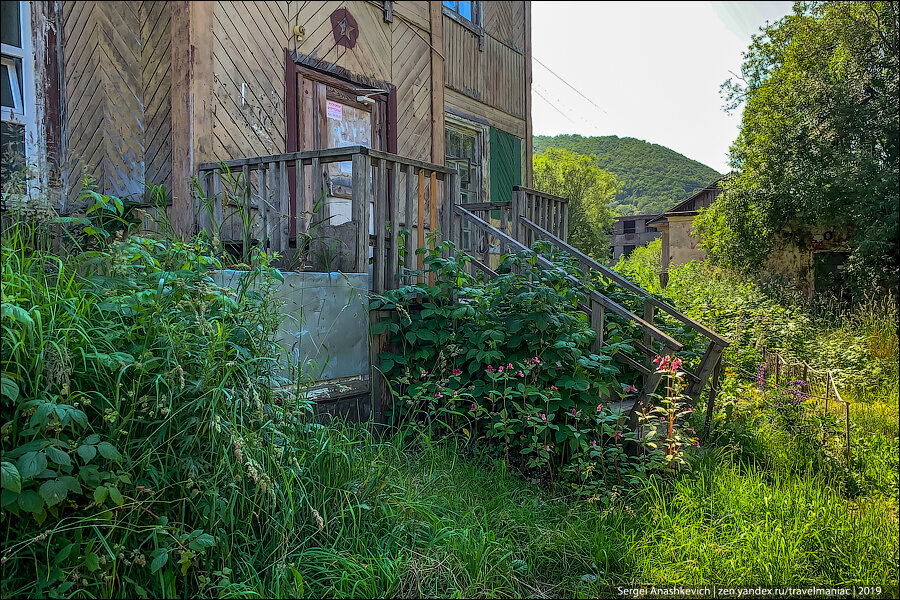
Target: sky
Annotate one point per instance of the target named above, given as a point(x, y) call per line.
point(648, 70)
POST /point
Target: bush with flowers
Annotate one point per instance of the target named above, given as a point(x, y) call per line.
point(508, 363)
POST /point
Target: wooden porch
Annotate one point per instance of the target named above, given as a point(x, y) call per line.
point(410, 204)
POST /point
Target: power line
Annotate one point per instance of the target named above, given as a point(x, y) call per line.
point(572, 87)
point(559, 102)
point(553, 106)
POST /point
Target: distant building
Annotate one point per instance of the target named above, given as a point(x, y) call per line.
point(678, 244)
point(629, 233)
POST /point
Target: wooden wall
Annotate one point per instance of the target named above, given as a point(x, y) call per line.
point(117, 65)
point(115, 69)
point(248, 85)
point(494, 76)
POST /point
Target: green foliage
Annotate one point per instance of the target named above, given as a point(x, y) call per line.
point(142, 431)
point(818, 145)
point(643, 266)
point(654, 178)
point(589, 191)
point(509, 361)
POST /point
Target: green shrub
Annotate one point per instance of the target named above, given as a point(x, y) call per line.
point(509, 361)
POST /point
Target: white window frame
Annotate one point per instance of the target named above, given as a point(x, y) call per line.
point(26, 114)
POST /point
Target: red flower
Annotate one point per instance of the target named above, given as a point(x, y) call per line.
point(457, 372)
point(520, 374)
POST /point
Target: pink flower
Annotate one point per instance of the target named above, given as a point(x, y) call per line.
point(457, 372)
point(439, 395)
point(676, 364)
point(473, 407)
point(490, 369)
point(509, 366)
point(536, 360)
point(548, 448)
point(599, 407)
point(424, 372)
point(631, 388)
point(520, 374)
point(593, 442)
point(500, 370)
point(554, 388)
point(697, 443)
point(544, 417)
point(619, 434)
point(573, 412)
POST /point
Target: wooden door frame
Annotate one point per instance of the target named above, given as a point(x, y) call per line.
point(326, 75)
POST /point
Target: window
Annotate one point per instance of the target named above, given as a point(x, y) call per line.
point(628, 251)
point(470, 11)
point(464, 153)
point(627, 226)
point(17, 130)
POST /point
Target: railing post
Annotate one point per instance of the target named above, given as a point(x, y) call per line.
point(825, 413)
point(362, 167)
point(515, 213)
point(410, 259)
point(245, 215)
point(649, 313)
point(598, 315)
point(378, 257)
point(455, 221)
point(394, 215)
point(284, 207)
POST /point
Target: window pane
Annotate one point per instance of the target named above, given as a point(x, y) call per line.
point(451, 5)
point(465, 9)
point(10, 27)
point(6, 93)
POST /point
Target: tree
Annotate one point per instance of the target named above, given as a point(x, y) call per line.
point(589, 190)
point(819, 140)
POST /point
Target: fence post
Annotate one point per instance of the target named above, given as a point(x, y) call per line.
point(825, 414)
point(777, 369)
point(847, 430)
point(713, 391)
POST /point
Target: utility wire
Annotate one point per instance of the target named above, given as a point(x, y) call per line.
point(572, 87)
point(553, 106)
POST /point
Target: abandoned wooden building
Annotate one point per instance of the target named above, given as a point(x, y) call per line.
point(679, 244)
point(341, 135)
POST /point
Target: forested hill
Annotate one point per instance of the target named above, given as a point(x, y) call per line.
point(655, 177)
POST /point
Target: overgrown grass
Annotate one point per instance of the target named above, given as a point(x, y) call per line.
point(224, 489)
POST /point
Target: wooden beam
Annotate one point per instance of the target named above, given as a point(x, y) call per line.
point(192, 117)
point(529, 146)
point(437, 82)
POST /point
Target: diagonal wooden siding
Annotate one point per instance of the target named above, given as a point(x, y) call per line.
point(248, 65)
point(249, 38)
point(494, 76)
point(116, 77)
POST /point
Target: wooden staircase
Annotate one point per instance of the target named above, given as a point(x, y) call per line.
point(532, 216)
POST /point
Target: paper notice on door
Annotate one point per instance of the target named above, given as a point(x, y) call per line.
point(334, 110)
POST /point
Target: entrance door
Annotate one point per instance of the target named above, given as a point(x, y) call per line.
point(332, 113)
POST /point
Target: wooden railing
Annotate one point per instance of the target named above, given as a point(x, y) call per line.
point(273, 203)
point(552, 215)
point(397, 205)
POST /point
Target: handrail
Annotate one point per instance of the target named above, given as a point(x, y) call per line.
point(595, 295)
point(521, 188)
point(610, 274)
point(328, 155)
